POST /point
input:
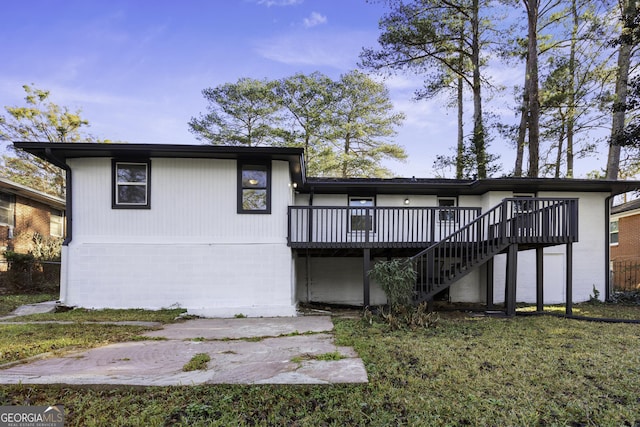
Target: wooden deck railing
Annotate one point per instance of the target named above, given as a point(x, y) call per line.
point(374, 227)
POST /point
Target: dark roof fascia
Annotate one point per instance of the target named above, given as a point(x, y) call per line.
point(64, 151)
point(454, 187)
point(7, 186)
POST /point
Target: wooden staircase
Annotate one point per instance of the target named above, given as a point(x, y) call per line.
point(525, 222)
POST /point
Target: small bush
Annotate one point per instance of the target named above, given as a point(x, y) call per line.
point(397, 279)
point(627, 297)
point(18, 261)
point(410, 317)
point(594, 298)
point(46, 248)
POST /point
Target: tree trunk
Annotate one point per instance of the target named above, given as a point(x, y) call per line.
point(558, 165)
point(628, 8)
point(478, 128)
point(460, 151)
point(571, 108)
point(346, 155)
point(534, 101)
point(524, 125)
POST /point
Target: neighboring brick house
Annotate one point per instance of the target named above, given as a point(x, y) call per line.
point(24, 211)
point(624, 241)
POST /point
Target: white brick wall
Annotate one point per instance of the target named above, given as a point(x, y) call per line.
point(207, 279)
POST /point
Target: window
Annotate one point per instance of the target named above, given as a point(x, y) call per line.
point(7, 209)
point(131, 185)
point(254, 188)
point(360, 218)
point(56, 223)
point(613, 232)
point(447, 214)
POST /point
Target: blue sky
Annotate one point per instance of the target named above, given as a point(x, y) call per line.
point(136, 68)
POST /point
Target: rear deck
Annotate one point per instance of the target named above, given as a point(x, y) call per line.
point(444, 243)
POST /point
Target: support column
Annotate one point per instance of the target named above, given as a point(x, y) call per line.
point(540, 279)
point(512, 275)
point(569, 303)
point(490, 284)
point(366, 266)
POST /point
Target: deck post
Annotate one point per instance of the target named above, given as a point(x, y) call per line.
point(569, 303)
point(490, 284)
point(540, 280)
point(512, 275)
point(366, 266)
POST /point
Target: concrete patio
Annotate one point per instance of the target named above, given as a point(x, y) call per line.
point(242, 351)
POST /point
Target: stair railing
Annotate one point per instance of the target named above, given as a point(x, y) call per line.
point(515, 220)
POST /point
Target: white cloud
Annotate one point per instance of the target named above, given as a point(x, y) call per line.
point(314, 19)
point(332, 49)
point(270, 3)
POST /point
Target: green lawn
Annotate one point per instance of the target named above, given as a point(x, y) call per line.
point(468, 370)
point(8, 303)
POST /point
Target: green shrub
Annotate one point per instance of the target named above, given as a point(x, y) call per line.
point(18, 261)
point(397, 279)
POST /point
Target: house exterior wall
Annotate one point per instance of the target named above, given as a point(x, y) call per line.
point(190, 249)
point(334, 280)
point(30, 217)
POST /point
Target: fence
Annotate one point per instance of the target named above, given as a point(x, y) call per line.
point(37, 275)
point(625, 275)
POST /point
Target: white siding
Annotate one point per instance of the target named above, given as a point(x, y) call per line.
point(192, 200)
point(191, 249)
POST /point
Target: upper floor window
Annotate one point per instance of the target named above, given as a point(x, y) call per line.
point(131, 185)
point(56, 223)
point(361, 218)
point(7, 209)
point(254, 188)
point(447, 214)
point(613, 232)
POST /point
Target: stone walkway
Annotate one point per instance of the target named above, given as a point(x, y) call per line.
point(242, 351)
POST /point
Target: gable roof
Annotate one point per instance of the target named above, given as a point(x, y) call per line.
point(58, 153)
point(7, 186)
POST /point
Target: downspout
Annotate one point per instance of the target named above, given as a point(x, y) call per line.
point(69, 217)
point(607, 253)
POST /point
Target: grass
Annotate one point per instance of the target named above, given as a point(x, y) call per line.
point(601, 310)
point(21, 341)
point(107, 315)
point(18, 342)
point(197, 363)
point(525, 371)
point(8, 303)
point(334, 355)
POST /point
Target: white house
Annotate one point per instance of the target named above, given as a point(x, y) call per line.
point(241, 230)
